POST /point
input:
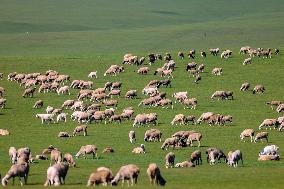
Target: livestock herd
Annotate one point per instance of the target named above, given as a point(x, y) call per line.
point(87, 113)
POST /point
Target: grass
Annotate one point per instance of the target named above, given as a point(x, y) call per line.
point(76, 38)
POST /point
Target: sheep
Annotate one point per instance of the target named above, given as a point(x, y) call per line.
point(69, 159)
point(217, 154)
point(173, 141)
point(150, 91)
point(2, 90)
point(270, 150)
point(245, 86)
point(154, 175)
point(61, 117)
point(11, 76)
point(167, 73)
point(189, 118)
point(260, 136)
point(102, 175)
point(204, 117)
point(226, 54)
point(194, 137)
point(273, 103)
point(45, 118)
point(189, 102)
point(87, 149)
point(56, 174)
point(38, 104)
point(170, 160)
point(49, 109)
point(41, 157)
point(114, 92)
point(13, 154)
point(116, 85)
point(268, 122)
point(131, 94)
point(191, 54)
point(214, 52)
point(117, 118)
point(24, 155)
point(217, 71)
point(197, 78)
point(140, 119)
point(143, 70)
point(164, 102)
point(178, 118)
point(127, 114)
point(80, 128)
point(201, 68)
point(185, 164)
point(247, 133)
point(130, 59)
point(196, 157)
point(29, 92)
point(228, 118)
point(127, 172)
point(20, 170)
point(165, 82)
point(247, 61)
point(244, 50)
point(131, 136)
point(280, 127)
point(152, 135)
point(3, 102)
point(269, 158)
point(63, 90)
point(1, 76)
point(229, 94)
point(108, 150)
point(63, 135)
point(93, 75)
point(235, 157)
point(180, 96)
point(280, 108)
point(258, 89)
point(111, 103)
point(203, 54)
point(191, 66)
point(212, 156)
point(4, 132)
point(55, 156)
point(139, 150)
point(218, 95)
point(181, 55)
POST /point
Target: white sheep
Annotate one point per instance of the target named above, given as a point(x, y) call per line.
point(45, 118)
point(61, 117)
point(93, 75)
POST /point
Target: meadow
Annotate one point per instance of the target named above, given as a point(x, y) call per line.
point(77, 37)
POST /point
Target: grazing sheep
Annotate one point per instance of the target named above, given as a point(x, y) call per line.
point(270, 150)
point(88, 149)
point(63, 135)
point(13, 154)
point(214, 52)
point(131, 136)
point(196, 157)
point(235, 158)
point(153, 135)
point(143, 70)
point(280, 108)
point(127, 172)
point(247, 61)
point(179, 118)
point(102, 175)
point(130, 59)
point(63, 90)
point(3, 102)
point(93, 75)
point(56, 174)
point(226, 54)
point(244, 50)
point(280, 127)
point(20, 170)
point(68, 103)
point(114, 92)
point(108, 150)
point(139, 150)
point(268, 123)
point(111, 103)
point(217, 154)
point(260, 136)
point(258, 89)
point(45, 118)
point(201, 68)
point(180, 96)
point(226, 118)
point(269, 158)
point(49, 109)
point(170, 160)
point(203, 54)
point(189, 102)
point(154, 175)
point(185, 164)
point(79, 129)
point(189, 118)
point(131, 94)
point(29, 92)
point(217, 71)
point(247, 133)
point(218, 95)
point(204, 117)
point(194, 137)
point(173, 141)
point(38, 104)
point(191, 66)
point(245, 86)
point(69, 159)
point(273, 103)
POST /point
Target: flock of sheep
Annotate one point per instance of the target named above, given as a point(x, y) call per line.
point(86, 113)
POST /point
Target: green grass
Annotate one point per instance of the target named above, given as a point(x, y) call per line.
point(77, 37)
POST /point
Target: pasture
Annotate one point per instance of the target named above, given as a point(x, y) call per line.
point(75, 38)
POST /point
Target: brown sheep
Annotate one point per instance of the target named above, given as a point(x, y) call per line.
point(79, 129)
point(102, 175)
point(38, 104)
point(170, 160)
point(260, 136)
point(69, 159)
point(29, 92)
point(247, 133)
point(154, 175)
point(143, 70)
point(127, 172)
point(196, 157)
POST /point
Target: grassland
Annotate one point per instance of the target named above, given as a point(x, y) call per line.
point(76, 37)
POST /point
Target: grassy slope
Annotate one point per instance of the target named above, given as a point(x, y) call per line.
point(68, 35)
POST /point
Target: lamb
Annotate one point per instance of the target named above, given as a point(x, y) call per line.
point(178, 118)
point(69, 159)
point(270, 150)
point(196, 157)
point(29, 92)
point(131, 136)
point(217, 71)
point(56, 174)
point(154, 175)
point(61, 117)
point(3, 102)
point(273, 103)
point(185, 164)
point(143, 70)
point(214, 52)
point(247, 61)
point(4, 132)
point(235, 158)
point(93, 75)
point(45, 118)
point(268, 122)
point(13, 155)
point(88, 149)
point(127, 172)
point(102, 175)
point(269, 158)
point(38, 104)
point(245, 86)
point(260, 136)
point(201, 68)
point(247, 133)
point(20, 170)
point(258, 89)
point(79, 129)
point(63, 135)
point(191, 54)
point(173, 141)
point(63, 90)
point(139, 150)
point(170, 160)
